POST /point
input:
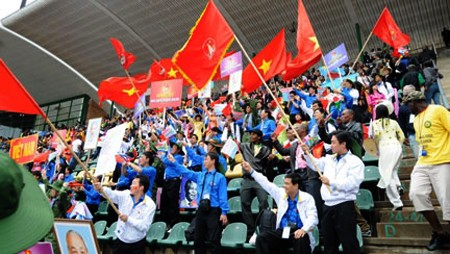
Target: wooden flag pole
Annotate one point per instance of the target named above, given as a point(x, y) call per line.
point(311, 158)
point(362, 49)
point(326, 66)
point(93, 179)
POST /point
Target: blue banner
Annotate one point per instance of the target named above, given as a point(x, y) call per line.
point(336, 57)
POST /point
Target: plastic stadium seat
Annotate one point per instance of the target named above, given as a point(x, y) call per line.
point(235, 205)
point(255, 204)
point(234, 184)
point(102, 208)
point(156, 232)
point(279, 180)
point(110, 235)
point(371, 173)
point(234, 235)
point(364, 200)
point(99, 227)
point(176, 236)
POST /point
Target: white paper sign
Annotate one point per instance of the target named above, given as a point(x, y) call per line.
point(92, 133)
point(235, 82)
point(110, 147)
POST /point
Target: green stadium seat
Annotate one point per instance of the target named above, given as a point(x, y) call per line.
point(279, 180)
point(235, 205)
point(371, 174)
point(110, 235)
point(156, 232)
point(234, 235)
point(255, 204)
point(100, 227)
point(102, 208)
point(364, 200)
point(234, 184)
point(175, 238)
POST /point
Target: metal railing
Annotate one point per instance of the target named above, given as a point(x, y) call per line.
point(444, 99)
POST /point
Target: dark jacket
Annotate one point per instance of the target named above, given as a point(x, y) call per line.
point(258, 162)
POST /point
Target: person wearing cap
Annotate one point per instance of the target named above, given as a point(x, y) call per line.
point(170, 212)
point(213, 146)
point(343, 172)
point(257, 154)
point(406, 120)
point(136, 215)
point(432, 170)
point(25, 214)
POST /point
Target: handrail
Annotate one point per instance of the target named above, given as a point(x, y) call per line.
point(441, 90)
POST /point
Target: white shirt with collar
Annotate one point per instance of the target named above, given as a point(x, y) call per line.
point(306, 206)
point(139, 218)
point(345, 177)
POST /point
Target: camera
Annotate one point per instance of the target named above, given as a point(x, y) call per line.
point(204, 205)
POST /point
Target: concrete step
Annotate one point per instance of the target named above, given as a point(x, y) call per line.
point(406, 229)
point(408, 214)
point(383, 245)
point(406, 203)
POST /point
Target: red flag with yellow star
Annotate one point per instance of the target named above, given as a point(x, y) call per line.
point(164, 69)
point(387, 30)
point(200, 57)
point(121, 91)
point(309, 51)
point(270, 61)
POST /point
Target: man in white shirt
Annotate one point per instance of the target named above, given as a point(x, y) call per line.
point(343, 172)
point(296, 216)
point(383, 86)
point(76, 147)
point(136, 215)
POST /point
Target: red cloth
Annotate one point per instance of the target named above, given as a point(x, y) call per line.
point(270, 61)
point(14, 97)
point(309, 51)
point(387, 30)
point(200, 57)
point(126, 58)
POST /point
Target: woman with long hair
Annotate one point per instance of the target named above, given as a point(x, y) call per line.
point(389, 138)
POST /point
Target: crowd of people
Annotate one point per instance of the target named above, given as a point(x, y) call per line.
point(381, 103)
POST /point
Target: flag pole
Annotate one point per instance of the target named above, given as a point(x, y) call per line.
point(281, 109)
point(83, 166)
point(362, 49)
point(326, 66)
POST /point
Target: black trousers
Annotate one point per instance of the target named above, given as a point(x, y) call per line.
point(271, 242)
point(208, 228)
point(339, 226)
point(120, 247)
point(170, 196)
point(250, 189)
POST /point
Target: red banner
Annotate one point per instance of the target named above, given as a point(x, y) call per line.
point(23, 150)
point(166, 93)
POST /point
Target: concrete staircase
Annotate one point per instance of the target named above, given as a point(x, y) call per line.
point(403, 231)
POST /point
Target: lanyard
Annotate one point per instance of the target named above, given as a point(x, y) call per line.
point(203, 184)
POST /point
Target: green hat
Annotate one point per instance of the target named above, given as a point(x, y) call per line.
point(57, 185)
point(413, 96)
point(25, 213)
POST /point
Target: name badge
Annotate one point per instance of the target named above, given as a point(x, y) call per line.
point(286, 232)
point(206, 196)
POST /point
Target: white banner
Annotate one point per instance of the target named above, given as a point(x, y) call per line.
point(92, 133)
point(235, 82)
point(110, 147)
point(206, 92)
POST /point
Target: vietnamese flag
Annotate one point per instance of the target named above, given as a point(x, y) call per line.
point(126, 58)
point(387, 30)
point(164, 69)
point(317, 150)
point(120, 90)
point(200, 57)
point(309, 51)
point(270, 61)
point(14, 97)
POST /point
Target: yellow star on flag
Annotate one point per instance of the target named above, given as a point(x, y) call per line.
point(315, 41)
point(172, 73)
point(265, 66)
point(130, 91)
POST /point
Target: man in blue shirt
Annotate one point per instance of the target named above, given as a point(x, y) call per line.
point(308, 97)
point(213, 205)
point(267, 125)
point(144, 168)
point(296, 217)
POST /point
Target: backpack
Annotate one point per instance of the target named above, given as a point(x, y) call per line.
point(265, 221)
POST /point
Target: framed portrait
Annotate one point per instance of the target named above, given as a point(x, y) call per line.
point(76, 236)
point(188, 194)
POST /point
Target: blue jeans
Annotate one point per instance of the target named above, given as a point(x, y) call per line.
point(433, 93)
point(413, 144)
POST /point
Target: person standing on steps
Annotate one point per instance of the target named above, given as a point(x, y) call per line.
point(432, 170)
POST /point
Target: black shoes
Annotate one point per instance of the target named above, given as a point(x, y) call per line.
point(400, 190)
point(438, 240)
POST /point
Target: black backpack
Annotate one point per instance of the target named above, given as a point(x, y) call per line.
point(265, 221)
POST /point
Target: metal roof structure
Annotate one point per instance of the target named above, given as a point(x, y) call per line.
point(61, 49)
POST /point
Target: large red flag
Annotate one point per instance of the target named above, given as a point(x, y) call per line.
point(126, 58)
point(309, 51)
point(120, 89)
point(14, 97)
point(270, 61)
point(200, 57)
point(387, 30)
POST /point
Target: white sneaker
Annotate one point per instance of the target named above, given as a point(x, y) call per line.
point(252, 240)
